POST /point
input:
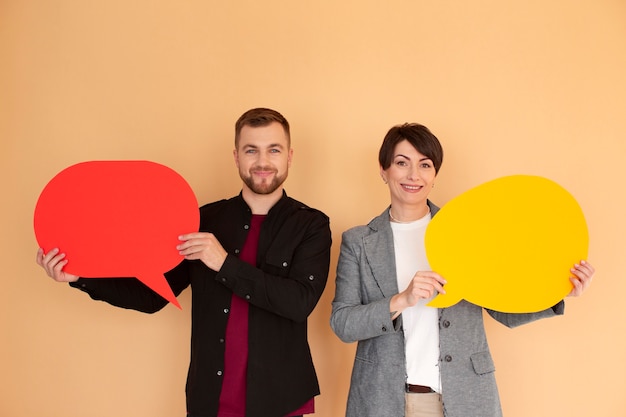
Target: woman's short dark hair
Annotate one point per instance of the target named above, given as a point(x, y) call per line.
point(417, 135)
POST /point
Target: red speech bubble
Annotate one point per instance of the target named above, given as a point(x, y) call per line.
point(118, 219)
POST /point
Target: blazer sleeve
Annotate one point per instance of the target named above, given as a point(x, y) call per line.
point(359, 310)
point(517, 319)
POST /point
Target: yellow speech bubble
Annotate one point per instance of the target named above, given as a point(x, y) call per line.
point(507, 245)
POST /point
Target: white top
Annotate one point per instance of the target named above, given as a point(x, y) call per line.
point(420, 323)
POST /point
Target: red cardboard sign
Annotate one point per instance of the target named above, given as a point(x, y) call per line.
point(118, 219)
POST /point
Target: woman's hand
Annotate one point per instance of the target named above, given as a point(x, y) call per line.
point(582, 275)
point(423, 286)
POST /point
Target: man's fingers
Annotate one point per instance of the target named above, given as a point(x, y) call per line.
point(39, 257)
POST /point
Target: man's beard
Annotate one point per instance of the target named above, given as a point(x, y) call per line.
point(263, 187)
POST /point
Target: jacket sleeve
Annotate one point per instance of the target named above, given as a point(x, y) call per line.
point(358, 312)
point(517, 319)
point(294, 272)
point(130, 293)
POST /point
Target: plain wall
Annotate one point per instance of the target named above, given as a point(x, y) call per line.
point(529, 87)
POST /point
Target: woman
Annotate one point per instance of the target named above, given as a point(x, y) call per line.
point(413, 360)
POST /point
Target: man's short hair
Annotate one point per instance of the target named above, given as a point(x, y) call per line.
point(260, 117)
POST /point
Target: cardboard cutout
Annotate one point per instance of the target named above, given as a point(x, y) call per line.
point(117, 219)
point(508, 245)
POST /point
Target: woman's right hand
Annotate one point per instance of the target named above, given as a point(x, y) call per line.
point(53, 263)
point(423, 286)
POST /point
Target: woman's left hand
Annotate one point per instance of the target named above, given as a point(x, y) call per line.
point(582, 275)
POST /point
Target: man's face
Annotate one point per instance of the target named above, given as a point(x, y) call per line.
point(263, 157)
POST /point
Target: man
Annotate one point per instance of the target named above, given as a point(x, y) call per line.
point(257, 268)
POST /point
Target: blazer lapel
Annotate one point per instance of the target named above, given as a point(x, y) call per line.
point(379, 253)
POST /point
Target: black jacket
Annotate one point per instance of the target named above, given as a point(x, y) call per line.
point(293, 260)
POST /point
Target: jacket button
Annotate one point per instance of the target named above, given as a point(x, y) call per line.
point(246, 226)
point(221, 340)
point(219, 373)
point(311, 277)
point(285, 263)
point(225, 311)
point(448, 358)
point(237, 251)
point(248, 296)
point(384, 328)
point(446, 324)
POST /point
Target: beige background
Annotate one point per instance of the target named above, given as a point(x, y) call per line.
point(529, 87)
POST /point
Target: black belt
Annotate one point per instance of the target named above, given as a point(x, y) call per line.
point(418, 389)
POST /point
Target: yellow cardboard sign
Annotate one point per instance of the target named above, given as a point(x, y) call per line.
point(507, 245)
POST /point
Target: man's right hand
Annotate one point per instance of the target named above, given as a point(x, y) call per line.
point(53, 263)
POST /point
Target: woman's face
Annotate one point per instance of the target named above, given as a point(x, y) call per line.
point(410, 176)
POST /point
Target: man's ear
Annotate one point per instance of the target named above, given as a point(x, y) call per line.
point(236, 157)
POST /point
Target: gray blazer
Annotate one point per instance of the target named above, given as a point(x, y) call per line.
point(365, 283)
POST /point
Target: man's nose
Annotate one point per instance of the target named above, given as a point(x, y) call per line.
point(263, 158)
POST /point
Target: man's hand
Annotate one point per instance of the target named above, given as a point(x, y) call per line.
point(53, 263)
point(203, 246)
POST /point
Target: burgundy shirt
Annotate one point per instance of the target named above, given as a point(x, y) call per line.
point(233, 394)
